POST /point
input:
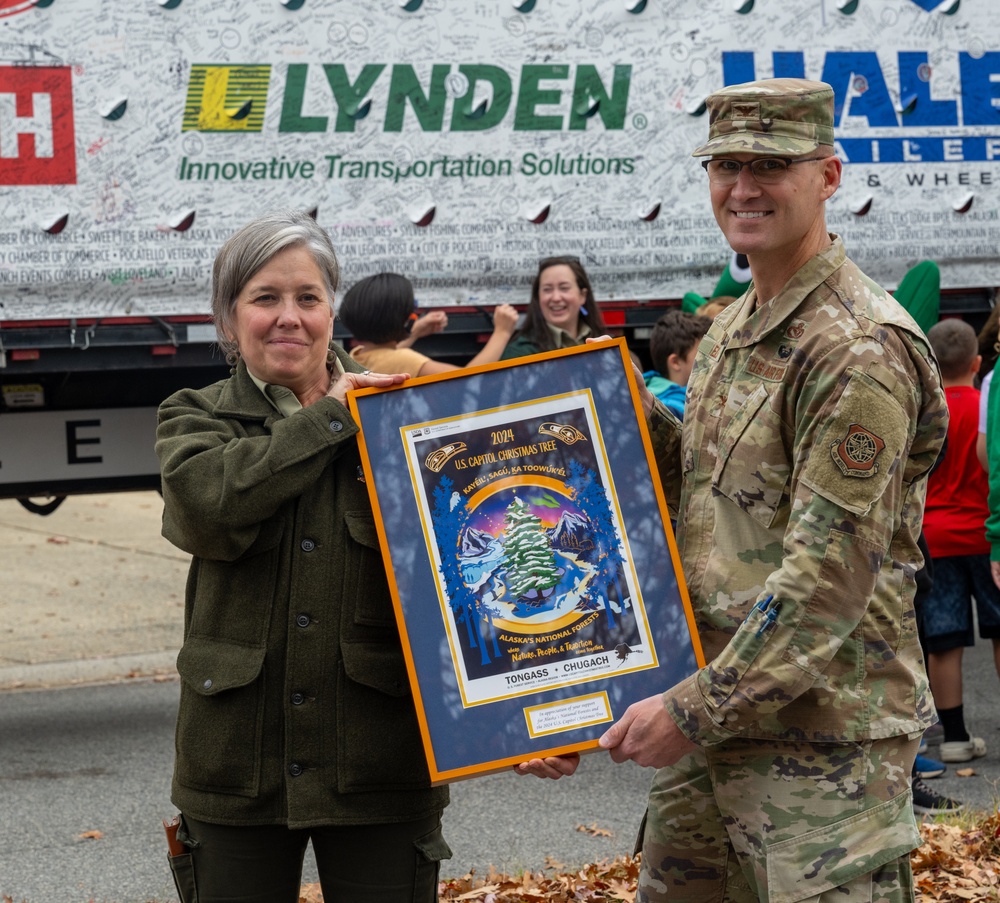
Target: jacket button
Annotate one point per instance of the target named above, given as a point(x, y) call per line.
point(303, 620)
point(308, 545)
point(336, 426)
point(295, 769)
point(298, 698)
point(207, 684)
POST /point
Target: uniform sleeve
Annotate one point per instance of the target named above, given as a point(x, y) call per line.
point(665, 437)
point(866, 433)
point(220, 483)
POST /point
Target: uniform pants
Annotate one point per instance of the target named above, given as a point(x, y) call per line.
point(758, 820)
point(390, 863)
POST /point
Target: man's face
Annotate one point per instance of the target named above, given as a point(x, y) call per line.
point(763, 219)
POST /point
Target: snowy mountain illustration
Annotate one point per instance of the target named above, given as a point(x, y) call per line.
point(572, 532)
point(476, 542)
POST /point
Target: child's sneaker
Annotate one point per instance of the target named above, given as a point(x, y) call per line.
point(929, 768)
point(962, 750)
point(928, 802)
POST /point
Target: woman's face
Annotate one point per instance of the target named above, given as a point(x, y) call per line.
point(283, 322)
point(560, 298)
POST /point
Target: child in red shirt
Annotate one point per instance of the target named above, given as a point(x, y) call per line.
point(954, 527)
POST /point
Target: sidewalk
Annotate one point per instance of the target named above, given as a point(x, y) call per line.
point(91, 592)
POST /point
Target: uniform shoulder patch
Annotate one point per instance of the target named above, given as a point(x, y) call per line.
point(856, 453)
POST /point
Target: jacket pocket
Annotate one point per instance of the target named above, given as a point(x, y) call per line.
point(365, 572)
point(232, 600)
point(220, 718)
point(378, 739)
point(752, 467)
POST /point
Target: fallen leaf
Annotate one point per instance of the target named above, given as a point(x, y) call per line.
point(58, 540)
point(966, 772)
point(593, 830)
point(310, 893)
point(91, 835)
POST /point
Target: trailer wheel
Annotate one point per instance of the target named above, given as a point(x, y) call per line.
point(42, 508)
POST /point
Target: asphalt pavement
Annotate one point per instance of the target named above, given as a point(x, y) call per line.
point(92, 597)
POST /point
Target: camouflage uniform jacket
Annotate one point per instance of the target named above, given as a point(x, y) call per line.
point(801, 472)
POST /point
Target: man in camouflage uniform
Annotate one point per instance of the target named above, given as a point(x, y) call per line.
point(815, 414)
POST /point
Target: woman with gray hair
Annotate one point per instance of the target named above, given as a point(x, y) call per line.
point(296, 722)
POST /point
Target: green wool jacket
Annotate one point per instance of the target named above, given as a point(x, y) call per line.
point(295, 706)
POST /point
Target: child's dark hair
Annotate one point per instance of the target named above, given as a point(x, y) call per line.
point(955, 346)
point(377, 308)
point(676, 332)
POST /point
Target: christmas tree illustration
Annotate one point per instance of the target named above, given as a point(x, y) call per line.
point(528, 557)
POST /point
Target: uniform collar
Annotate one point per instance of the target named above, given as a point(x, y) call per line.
point(748, 326)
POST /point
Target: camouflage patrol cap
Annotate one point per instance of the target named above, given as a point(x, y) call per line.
point(782, 116)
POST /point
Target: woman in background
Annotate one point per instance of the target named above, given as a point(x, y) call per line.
point(562, 312)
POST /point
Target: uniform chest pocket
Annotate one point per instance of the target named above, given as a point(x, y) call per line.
point(752, 466)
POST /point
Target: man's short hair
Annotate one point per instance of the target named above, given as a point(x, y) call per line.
point(955, 346)
point(785, 117)
point(676, 332)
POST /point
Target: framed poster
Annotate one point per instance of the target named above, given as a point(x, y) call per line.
point(532, 565)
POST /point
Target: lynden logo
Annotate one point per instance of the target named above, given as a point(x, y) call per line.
point(37, 144)
point(473, 98)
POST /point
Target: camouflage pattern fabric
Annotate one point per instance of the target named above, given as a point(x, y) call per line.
point(782, 822)
point(777, 116)
point(799, 482)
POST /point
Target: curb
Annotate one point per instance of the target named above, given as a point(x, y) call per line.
point(48, 675)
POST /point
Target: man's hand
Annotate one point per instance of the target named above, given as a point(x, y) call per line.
point(554, 767)
point(645, 396)
point(647, 735)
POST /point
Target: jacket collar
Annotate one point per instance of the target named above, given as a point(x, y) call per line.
point(240, 397)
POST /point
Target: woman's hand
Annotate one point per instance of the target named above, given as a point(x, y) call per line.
point(346, 382)
point(428, 324)
point(505, 318)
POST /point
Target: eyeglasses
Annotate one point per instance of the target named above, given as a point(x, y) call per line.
point(766, 170)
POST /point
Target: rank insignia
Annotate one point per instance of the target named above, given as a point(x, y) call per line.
point(855, 454)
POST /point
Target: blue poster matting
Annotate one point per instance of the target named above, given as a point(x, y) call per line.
point(464, 739)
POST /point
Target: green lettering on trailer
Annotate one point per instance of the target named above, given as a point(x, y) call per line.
point(610, 107)
point(350, 96)
point(530, 95)
point(292, 119)
point(466, 119)
point(428, 108)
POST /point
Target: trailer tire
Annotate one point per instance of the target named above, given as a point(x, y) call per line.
point(42, 508)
